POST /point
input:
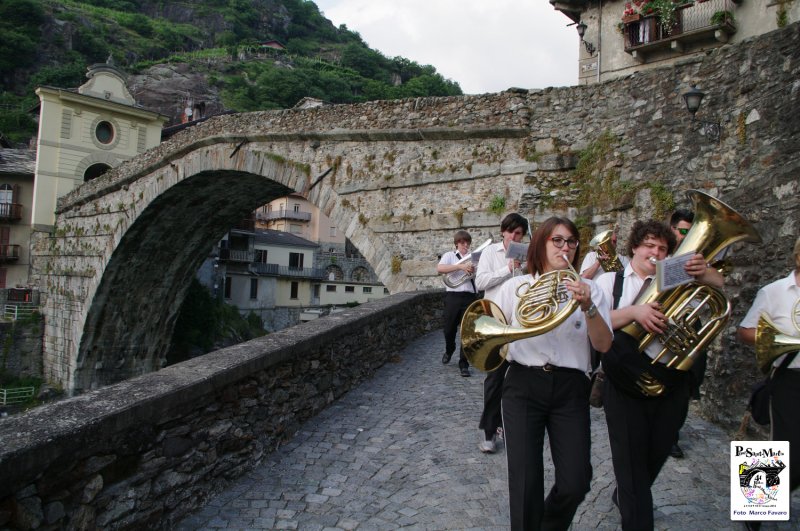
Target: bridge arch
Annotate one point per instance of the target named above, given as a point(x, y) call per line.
point(123, 255)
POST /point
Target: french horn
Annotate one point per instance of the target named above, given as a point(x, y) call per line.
point(454, 279)
point(695, 313)
point(602, 243)
point(541, 308)
point(771, 343)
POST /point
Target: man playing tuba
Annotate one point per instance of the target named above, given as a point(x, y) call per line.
point(603, 252)
point(780, 303)
point(641, 429)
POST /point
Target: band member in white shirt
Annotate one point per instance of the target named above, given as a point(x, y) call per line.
point(546, 388)
point(494, 269)
point(591, 268)
point(641, 429)
point(780, 302)
point(458, 298)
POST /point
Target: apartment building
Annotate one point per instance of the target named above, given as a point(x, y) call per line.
point(619, 37)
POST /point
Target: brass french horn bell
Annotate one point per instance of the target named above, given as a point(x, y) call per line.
point(771, 343)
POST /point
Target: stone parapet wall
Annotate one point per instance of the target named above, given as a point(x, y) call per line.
point(142, 453)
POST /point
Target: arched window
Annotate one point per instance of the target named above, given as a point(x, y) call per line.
point(94, 171)
point(360, 274)
point(334, 272)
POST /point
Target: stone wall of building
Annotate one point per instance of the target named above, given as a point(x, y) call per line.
point(21, 347)
point(143, 453)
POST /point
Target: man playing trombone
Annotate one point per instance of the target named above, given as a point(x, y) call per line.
point(780, 303)
point(458, 296)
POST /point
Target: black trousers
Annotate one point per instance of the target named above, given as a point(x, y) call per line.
point(641, 432)
point(786, 417)
point(492, 417)
point(455, 303)
point(534, 401)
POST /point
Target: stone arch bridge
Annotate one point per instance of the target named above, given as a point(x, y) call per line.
point(399, 177)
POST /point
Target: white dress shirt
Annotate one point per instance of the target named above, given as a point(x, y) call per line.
point(492, 270)
point(452, 258)
point(778, 300)
point(631, 286)
point(565, 346)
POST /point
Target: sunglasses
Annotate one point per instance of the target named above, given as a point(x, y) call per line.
point(559, 242)
point(683, 232)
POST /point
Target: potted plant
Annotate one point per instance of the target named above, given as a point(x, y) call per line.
point(665, 11)
point(721, 17)
point(631, 13)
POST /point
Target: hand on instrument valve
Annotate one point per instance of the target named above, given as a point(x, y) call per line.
point(514, 265)
point(467, 267)
point(650, 317)
point(581, 293)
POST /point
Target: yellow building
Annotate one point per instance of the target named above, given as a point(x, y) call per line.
point(83, 133)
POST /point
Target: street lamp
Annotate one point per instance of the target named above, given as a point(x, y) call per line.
point(693, 98)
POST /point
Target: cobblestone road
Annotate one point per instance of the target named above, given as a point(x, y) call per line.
point(401, 452)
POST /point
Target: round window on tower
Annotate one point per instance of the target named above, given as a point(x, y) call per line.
point(104, 132)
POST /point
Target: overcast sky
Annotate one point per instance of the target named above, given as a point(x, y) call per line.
point(485, 45)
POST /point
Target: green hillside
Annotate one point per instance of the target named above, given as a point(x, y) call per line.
point(49, 42)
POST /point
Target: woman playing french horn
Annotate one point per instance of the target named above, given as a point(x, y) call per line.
point(546, 387)
point(780, 303)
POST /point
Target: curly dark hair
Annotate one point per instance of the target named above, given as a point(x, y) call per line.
point(656, 229)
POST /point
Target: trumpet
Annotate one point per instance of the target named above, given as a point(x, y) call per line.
point(458, 277)
point(602, 243)
point(771, 344)
point(485, 331)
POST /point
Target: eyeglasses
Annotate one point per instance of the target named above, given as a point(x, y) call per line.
point(559, 242)
point(683, 232)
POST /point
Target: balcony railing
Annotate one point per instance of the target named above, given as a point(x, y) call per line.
point(288, 271)
point(283, 214)
point(9, 253)
point(233, 255)
point(10, 211)
point(699, 21)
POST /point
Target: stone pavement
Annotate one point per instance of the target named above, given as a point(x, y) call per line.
point(401, 451)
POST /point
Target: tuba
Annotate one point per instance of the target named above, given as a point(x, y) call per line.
point(456, 278)
point(602, 243)
point(695, 313)
point(484, 330)
point(771, 344)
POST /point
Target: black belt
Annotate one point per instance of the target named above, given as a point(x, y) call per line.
point(547, 367)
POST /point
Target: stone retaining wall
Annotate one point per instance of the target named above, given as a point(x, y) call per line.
point(143, 453)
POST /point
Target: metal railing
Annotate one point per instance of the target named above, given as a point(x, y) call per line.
point(234, 255)
point(16, 395)
point(12, 312)
point(10, 211)
point(689, 18)
point(288, 271)
point(284, 214)
point(9, 252)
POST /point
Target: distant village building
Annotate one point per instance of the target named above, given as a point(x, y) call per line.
point(619, 37)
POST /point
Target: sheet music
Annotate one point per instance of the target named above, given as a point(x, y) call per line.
point(671, 271)
point(517, 251)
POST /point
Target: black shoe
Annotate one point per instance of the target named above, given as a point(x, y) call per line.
point(446, 357)
point(465, 372)
point(676, 451)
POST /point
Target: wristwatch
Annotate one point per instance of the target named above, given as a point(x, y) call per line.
point(591, 311)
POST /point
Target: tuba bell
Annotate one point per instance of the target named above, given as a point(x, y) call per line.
point(456, 278)
point(695, 313)
point(771, 343)
point(484, 330)
point(602, 243)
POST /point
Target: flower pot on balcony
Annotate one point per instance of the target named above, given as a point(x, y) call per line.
point(627, 19)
